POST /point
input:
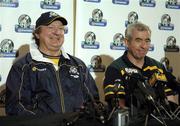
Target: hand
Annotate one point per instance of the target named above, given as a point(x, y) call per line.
point(122, 103)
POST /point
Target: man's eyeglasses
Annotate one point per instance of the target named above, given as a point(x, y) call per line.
point(53, 28)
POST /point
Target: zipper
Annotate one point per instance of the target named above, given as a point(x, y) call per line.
point(59, 90)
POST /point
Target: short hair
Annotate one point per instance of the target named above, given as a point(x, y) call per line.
point(36, 31)
point(135, 26)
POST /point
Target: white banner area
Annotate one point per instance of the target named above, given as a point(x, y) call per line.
point(95, 29)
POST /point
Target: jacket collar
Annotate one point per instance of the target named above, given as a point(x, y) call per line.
point(38, 56)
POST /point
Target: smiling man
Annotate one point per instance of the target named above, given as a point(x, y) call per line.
point(141, 79)
point(47, 79)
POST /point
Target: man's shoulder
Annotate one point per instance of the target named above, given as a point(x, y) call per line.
point(22, 59)
point(118, 63)
point(152, 61)
point(76, 59)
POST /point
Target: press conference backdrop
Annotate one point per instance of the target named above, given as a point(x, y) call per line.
point(95, 29)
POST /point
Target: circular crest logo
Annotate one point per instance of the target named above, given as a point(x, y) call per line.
point(166, 23)
point(24, 24)
point(24, 21)
point(6, 46)
point(132, 18)
point(90, 38)
point(96, 64)
point(97, 15)
point(165, 20)
point(73, 72)
point(118, 42)
point(171, 45)
point(90, 41)
point(97, 18)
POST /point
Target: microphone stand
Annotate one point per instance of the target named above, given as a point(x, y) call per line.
point(162, 121)
point(114, 108)
point(120, 117)
point(145, 91)
point(117, 87)
point(176, 113)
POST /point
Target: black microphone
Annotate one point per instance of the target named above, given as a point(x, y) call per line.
point(144, 86)
point(156, 78)
point(158, 81)
point(145, 89)
point(94, 106)
point(138, 76)
point(117, 86)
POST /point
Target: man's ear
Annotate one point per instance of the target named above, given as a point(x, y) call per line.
point(126, 42)
point(37, 35)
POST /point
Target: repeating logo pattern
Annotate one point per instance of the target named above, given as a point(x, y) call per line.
point(96, 64)
point(132, 18)
point(24, 24)
point(166, 23)
point(97, 18)
point(171, 45)
point(90, 41)
point(7, 48)
point(118, 42)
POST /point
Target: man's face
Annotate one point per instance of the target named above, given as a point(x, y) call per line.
point(139, 45)
point(51, 37)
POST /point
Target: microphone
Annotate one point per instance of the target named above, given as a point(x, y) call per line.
point(158, 81)
point(157, 77)
point(118, 89)
point(134, 74)
point(144, 86)
point(100, 112)
point(94, 107)
point(118, 86)
point(145, 89)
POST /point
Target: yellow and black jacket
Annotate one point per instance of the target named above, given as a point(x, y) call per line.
point(121, 68)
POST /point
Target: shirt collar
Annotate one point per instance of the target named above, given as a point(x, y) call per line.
point(128, 62)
